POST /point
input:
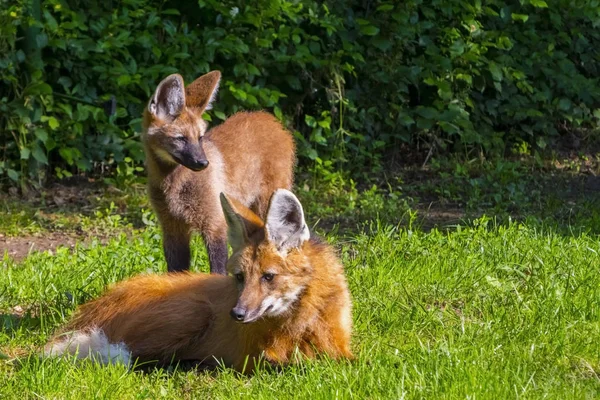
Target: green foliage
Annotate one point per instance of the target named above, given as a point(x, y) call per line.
point(354, 80)
point(466, 73)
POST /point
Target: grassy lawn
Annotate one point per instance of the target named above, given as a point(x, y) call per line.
point(487, 309)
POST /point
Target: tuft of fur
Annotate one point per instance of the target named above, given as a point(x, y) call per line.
point(90, 343)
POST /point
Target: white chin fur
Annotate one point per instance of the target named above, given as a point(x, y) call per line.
point(91, 344)
point(280, 305)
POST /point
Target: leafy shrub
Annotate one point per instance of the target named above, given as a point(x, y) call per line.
point(353, 79)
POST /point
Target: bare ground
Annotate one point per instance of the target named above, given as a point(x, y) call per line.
point(18, 247)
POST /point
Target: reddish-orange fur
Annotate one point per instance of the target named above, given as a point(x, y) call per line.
point(250, 155)
point(185, 316)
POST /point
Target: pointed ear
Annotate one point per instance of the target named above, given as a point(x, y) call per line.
point(168, 99)
point(243, 226)
point(202, 92)
point(285, 223)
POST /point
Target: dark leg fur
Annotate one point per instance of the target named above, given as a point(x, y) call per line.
point(177, 250)
point(217, 255)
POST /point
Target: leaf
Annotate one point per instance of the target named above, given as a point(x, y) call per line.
point(541, 142)
point(448, 127)
point(41, 134)
point(465, 77)
point(424, 123)
point(252, 70)
point(293, 81)
point(65, 81)
point(220, 114)
point(37, 88)
point(39, 154)
point(597, 113)
point(445, 90)
point(278, 113)
point(41, 40)
point(325, 123)
point(50, 21)
point(385, 7)
point(67, 154)
point(369, 30)
point(519, 17)
point(381, 43)
point(457, 48)
point(496, 72)
point(252, 100)
point(239, 69)
point(406, 120)
point(427, 112)
point(20, 55)
point(25, 152)
point(315, 47)
point(12, 174)
point(53, 123)
point(564, 104)
point(123, 80)
point(539, 3)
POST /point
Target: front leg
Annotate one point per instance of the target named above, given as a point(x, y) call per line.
point(176, 245)
point(216, 247)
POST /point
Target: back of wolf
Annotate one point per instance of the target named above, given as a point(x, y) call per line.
point(258, 157)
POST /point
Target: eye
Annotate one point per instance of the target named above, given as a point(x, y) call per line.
point(268, 277)
point(180, 138)
point(239, 277)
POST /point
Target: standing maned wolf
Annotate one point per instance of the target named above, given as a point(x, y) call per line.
point(248, 157)
point(286, 292)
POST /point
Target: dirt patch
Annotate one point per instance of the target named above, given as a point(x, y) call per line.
point(439, 216)
point(19, 247)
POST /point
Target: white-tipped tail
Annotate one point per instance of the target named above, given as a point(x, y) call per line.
point(92, 344)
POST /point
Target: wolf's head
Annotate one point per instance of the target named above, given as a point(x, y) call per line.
point(173, 124)
point(268, 261)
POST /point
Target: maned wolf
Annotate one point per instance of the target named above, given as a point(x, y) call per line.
point(286, 293)
point(248, 157)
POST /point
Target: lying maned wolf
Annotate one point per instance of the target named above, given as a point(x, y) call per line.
point(286, 292)
point(248, 156)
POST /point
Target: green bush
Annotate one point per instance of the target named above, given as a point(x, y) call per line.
point(353, 79)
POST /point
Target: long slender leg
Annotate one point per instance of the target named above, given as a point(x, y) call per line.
point(217, 254)
point(176, 245)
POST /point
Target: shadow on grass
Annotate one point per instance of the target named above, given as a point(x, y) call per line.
point(443, 195)
point(443, 198)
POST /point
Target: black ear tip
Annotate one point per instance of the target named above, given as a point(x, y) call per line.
point(224, 200)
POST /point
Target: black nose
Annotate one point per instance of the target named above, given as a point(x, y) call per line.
point(238, 313)
point(201, 164)
point(197, 165)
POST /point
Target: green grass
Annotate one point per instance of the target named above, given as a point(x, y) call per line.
point(478, 308)
point(486, 311)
